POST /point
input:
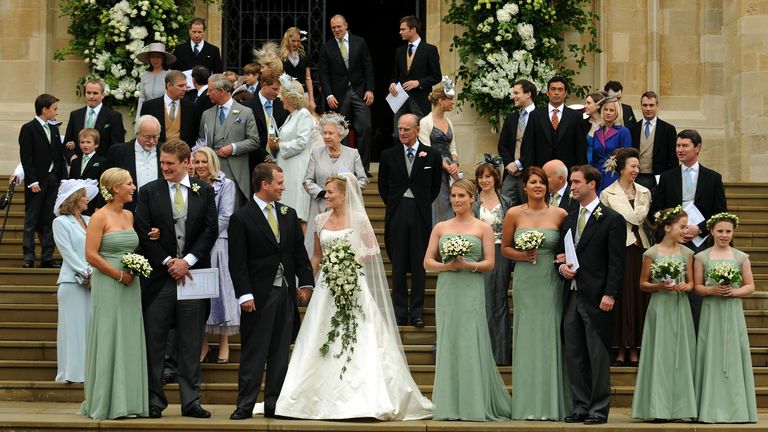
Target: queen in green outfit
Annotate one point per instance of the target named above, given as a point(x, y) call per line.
point(724, 383)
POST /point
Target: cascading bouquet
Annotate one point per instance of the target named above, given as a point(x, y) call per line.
point(137, 264)
point(341, 273)
point(667, 269)
point(529, 241)
point(724, 274)
point(454, 247)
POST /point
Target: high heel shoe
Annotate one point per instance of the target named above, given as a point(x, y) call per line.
point(222, 360)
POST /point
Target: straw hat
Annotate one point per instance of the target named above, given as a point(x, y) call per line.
point(155, 47)
point(68, 187)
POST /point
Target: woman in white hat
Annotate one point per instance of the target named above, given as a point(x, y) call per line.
point(153, 79)
point(73, 295)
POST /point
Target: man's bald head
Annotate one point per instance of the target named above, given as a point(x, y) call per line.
point(557, 174)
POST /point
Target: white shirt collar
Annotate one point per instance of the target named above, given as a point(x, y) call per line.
point(200, 45)
point(415, 148)
point(168, 101)
point(651, 121)
point(551, 107)
point(139, 149)
point(530, 108)
point(264, 100)
point(415, 44)
point(261, 204)
point(201, 90)
point(41, 121)
point(228, 105)
point(184, 181)
point(345, 38)
point(694, 167)
point(96, 110)
point(591, 206)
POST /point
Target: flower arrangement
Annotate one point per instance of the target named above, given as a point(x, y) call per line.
point(505, 41)
point(724, 216)
point(137, 264)
point(530, 240)
point(341, 273)
point(667, 269)
point(108, 35)
point(454, 247)
point(724, 274)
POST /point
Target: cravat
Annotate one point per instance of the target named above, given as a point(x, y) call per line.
point(268, 108)
point(196, 50)
point(555, 120)
point(647, 129)
point(178, 199)
point(410, 155)
point(91, 120)
point(582, 220)
point(222, 115)
point(172, 112)
point(344, 53)
point(410, 50)
point(272, 221)
point(554, 200)
point(86, 158)
point(47, 130)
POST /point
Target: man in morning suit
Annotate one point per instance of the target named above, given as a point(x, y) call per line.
point(511, 139)
point(197, 51)
point(184, 210)
point(199, 94)
point(346, 74)
point(560, 189)
point(266, 258)
point(269, 113)
point(409, 180)
point(691, 183)
point(230, 130)
point(178, 117)
point(94, 115)
point(40, 151)
point(417, 69)
point(599, 235)
point(656, 140)
point(615, 88)
point(554, 131)
point(139, 157)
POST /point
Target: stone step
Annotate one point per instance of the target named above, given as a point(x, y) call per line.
point(746, 188)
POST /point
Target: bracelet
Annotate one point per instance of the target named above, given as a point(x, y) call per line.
point(475, 269)
point(121, 277)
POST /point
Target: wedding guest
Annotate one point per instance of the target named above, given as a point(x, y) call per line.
point(724, 381)
point(664, 389)
point(152, 80)
point(632, 201)
point(196, 50)
point(90, 165)
point(538, 382)
point(251, 74)
point(73, 296)
point(224, 319)
point(592, 122)
point(610, 136)
point(615, 89)
point(464, 354)
point(490, 207)
point(116, 355)
point(436, 131)
point(296, 62)
point(95, 114)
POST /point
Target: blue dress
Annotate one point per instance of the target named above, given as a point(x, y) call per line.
point(604, 143)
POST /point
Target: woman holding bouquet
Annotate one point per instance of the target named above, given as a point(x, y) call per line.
point(725, 386)
point(664, 389)
point(461, 249)
point(530, 237)
point(116, 357)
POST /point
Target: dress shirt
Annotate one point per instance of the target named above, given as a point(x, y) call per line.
point(200, 45)
point(43, 123)
point(529, 109)
point(279, 275)
point(201, 90)
point(189, 258)
point(415, 45)
point(563, 190)
point(344, 38)
point(146, 164)
point(551, 108)
point(167, 101)
point(590, 209)
point(651, 121)
point(96, 111)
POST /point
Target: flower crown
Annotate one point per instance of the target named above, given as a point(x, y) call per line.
point(610, 164)
point(449, 87)
point(105, 194)
point(724, 216)
point(662, 216)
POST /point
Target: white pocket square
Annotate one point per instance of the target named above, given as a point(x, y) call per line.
point(427, 167)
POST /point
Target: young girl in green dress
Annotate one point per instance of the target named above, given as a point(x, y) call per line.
point(664, 389)
point(725, 386)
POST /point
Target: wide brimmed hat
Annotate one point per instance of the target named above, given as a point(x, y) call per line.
point(68, 187)
point(155, 47)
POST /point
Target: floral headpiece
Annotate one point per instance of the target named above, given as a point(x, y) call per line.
point(610, 164)
point(662, 216)
point(492, 159)
point(303, 34)
point(449, 87)
point(724, 216)
point(105, 194)
point(288, 86)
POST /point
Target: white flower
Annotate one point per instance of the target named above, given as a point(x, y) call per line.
point(525, 31)
point(503, 16)
point(138, 32)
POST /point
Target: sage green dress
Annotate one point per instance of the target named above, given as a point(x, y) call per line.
point(539, 386)
point(468, 385)
point(116, 355)
point(664, 386)
point(725, 385)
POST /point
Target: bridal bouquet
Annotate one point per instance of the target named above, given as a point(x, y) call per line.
point(455, 247)
point(529, 240)
point(725, 274)
point(341, 273)
point(137, 264)
point(667, 269)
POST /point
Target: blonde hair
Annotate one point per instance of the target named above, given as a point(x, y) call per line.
point(89, 132)
point(285, 45)
point(619, 111)
point(339, 181)
point(437, 93)
point(110, 179)
point(296, 97)
point(466, 185)
point(214, 165)
point(70, 203)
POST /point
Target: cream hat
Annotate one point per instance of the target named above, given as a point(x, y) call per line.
point(156, 47)
point(68, 187)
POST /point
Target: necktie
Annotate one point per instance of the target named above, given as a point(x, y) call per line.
point(410, 50)
point(268, 108)
point(196, 50)
point(688, 176)
point(178, 199)
point(252, 89)
point(222, 115)
point(410, 155)
point(47, 130)
point(555, 199)
point(86, 158)
point(582, 220)
point(344, 53)
point(272, 221)
point(91, 120)
point(523, 120)
point(555, 120)
point(172, 112)
point(647, 129)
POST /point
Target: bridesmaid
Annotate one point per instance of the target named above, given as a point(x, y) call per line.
point(538, 379)
point(664, 389)
point(468, 385)
point(611, 136)
point(725, 386)
point(490, 208)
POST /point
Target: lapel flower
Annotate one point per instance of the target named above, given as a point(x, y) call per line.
point(196, 188)
point(238, 120)
point(570, 195)
point(96, 164)
point(598, 213)
point(106, 125)
point(422, 154)
point(235, 112)
point(284, 210)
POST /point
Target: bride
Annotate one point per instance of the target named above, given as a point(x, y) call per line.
point(375, 381)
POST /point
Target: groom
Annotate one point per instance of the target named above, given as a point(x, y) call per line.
point(599, 236)
point(266, 256)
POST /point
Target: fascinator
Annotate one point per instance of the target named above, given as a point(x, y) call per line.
point(303, 34)
point(68, 187)
point(288, 85)
point(449, 87)
point(494, 160)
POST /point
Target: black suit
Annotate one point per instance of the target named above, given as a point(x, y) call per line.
point(408, 221)
point(566, 202)
point(190, 118)
point(44, 164)
point(203, 102)
point(124, 156)
point(512, 186)
point(425, 67)
point(628, 115)
point(209, 57)
point(279, 113)
point(109, 123)
point(542, 143)
point(664, 156)
point(266, 333)
point(158, 292)
point(93, 170)
point(348, 85)
point(587, 329)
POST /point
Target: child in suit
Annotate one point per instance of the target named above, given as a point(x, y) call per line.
point(90, 165)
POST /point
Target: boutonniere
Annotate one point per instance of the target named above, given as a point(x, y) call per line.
point(570, 195)
point(238, 120)
point(196, 188)
point(106, 125)
point(284, 210)
point(598, 213)
point(96, 164)
point(422, 154)
point(235, 112)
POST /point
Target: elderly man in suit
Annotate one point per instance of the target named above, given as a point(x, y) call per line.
point(230, 130)
point(94, 115)
point(560, 189)
point(197, 51)
point(178, 117)
point(656, 140)
point(511, 139)
point(347, 77)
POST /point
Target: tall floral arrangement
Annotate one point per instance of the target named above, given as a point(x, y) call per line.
point(108, 34)
point(505, 41)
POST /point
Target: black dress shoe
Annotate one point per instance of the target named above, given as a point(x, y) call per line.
point(28, 264)
point(155, 412)
point(196, 411)
point(50, 264)
point(418, 322)
point(169, 378)
point(593, 420)
point(576, 418)
point(241, 414)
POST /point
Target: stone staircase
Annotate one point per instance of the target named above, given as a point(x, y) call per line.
point(28, 316)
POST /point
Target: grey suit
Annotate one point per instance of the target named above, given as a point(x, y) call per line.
point(240, 129)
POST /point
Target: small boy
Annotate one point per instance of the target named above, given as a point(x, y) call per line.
point(251, 73)
point(90, 165)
